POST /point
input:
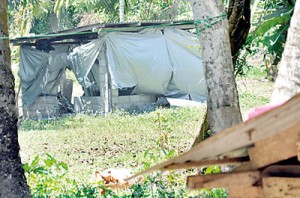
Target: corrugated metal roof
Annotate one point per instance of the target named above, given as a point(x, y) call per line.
point(89, 32)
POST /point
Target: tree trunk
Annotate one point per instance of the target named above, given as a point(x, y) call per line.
point(174, 9)
point(12, 179)
point(54, 22)
point(222, 96)
point(287, 83)
point(239, 21)
point(122, 10)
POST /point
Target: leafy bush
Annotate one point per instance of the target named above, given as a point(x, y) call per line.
point(270, 22)
point(46, 177)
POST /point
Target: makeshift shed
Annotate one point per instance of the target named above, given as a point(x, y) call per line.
point(124, 66)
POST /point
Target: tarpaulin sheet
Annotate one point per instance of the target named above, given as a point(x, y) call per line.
point(40, 72)
point(82, 59)
point(139, 60)
point(154, 62)
point(188, 71)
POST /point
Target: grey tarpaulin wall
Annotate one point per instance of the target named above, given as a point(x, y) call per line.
point(154, 62)
point(40, 72)
point(164, 63)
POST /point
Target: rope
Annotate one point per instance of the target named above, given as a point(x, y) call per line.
point(208, 22)
point(4, 38)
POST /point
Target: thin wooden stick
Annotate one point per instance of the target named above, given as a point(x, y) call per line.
point(197, 164)
point(237, 160)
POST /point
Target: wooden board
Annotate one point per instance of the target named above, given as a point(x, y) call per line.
point(281, 187)
point(245, 192)
point(226, 180)
point(285, 117)
point(244, 167)
point(276, 148)
point(282, 171)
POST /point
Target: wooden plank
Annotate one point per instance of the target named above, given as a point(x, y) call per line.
point(270, 150)
point(282, 171)
point(285, 117)
point(238, 160)
point(244, 167)
point(281, 187)
point(245, 192)
point(241, 179)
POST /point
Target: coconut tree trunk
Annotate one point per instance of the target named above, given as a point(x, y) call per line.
point(239, 20)
point(122, 10)
point(222, 95)
point(174, 9)
point(288, 81)
point(54, 22)
point(12, 179)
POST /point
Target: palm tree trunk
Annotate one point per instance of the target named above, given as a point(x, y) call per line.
point(122, 10)
point(12, 179)
point(222, 95)
point(287, 83)
point(239, 16)
point(54, 22)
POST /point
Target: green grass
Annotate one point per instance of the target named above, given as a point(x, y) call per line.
point(87, 142)
point(256, 72)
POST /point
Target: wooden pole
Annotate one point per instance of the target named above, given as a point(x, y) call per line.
point(107, 85)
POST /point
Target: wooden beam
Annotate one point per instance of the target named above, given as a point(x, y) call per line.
point(244, 167)
point(226, 180)
point(279, 147)
point(238, 160)
point(281, 187)
point(245, 192)
point(243, 135)
point(282, 171)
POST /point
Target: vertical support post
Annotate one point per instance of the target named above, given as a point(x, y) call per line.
point(106, 94)
point(106, 85)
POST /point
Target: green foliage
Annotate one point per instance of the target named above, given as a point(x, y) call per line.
point(270, 22)
point(155, 185)
point(54, 124)
point(162, 149)
point(34, 15)
point(214, 193)
point(158, 10)
point(46, 177)
point(248, 99)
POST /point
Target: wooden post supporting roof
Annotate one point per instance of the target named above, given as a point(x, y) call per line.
point(106, 86)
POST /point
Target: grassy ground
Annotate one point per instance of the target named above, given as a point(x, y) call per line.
point(88, 142)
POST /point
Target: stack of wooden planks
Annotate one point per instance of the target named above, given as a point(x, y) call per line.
point(272, 167)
